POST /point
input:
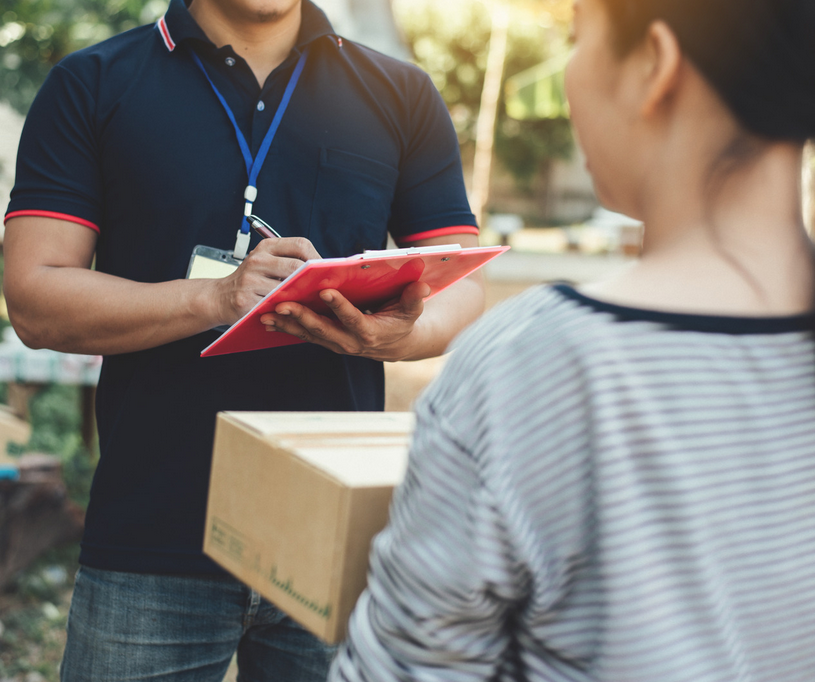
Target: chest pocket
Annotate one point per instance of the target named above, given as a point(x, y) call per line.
point(352, 204)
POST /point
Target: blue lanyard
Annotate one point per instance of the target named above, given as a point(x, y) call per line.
point(253, 166)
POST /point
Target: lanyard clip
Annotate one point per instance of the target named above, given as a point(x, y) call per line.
point(244, 234)
point(241, 245)
point(250, 194)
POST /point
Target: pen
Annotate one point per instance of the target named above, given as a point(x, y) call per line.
point(262, 228)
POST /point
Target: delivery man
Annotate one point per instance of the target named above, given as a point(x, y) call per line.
point(136, 152)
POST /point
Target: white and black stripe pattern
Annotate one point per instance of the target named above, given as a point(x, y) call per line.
point(599, 493)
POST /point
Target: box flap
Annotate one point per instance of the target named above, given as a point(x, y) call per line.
point(359, 467)
point(302, 424)
point(359, 449)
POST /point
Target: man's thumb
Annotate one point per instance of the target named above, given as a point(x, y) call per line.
point(413, 298)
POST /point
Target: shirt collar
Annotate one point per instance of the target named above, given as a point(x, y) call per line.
point(177, 25)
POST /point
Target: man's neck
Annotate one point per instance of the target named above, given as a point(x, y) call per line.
point(263, 39)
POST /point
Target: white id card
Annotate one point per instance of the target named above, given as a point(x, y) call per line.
point(209, 263)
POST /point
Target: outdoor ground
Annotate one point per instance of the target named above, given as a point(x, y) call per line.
point(33, 613)
point(34, 610)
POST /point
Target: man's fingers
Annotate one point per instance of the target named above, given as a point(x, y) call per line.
point(293, 318)
point(287, 324)
point(353, 332)
point(307, 325)
point(347, 313)
point(412, 300)
point(276, 259)
point(289, 247)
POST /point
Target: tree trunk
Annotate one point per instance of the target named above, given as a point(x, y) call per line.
point(488, 112)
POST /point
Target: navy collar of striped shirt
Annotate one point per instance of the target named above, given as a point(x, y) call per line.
point(696, 322)
point(178, 26)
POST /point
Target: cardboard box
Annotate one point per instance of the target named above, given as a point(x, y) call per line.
point(295, 499)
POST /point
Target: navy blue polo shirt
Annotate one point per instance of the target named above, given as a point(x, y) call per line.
point(128, 138)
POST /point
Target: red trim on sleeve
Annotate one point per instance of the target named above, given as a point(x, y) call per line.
point(52, 214)
point(440, 232)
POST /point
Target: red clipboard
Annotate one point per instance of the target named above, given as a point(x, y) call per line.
point(367, 280)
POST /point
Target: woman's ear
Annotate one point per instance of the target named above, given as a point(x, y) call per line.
point(663, 58)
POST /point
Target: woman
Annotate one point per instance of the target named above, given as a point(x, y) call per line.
point(617, 483)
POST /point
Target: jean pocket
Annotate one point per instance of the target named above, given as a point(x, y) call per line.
point(352, 203)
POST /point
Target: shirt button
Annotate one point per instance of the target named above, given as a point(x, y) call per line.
point(230, 61)
point(261, 106)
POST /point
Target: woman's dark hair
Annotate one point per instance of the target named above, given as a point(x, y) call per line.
point(759, 55)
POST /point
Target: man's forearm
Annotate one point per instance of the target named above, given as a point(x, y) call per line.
point(75, 310)
point(56, 301)
point(445, 316)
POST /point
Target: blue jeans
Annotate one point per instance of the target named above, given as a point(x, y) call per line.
point(164, 628)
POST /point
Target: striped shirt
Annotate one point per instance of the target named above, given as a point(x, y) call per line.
point(602, 493)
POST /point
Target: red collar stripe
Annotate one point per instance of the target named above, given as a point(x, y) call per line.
point(161, 24)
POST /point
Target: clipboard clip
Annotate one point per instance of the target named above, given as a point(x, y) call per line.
point(412, 251)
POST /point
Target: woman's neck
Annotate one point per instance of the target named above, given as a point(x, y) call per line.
point(263, 38)
point(728, 243)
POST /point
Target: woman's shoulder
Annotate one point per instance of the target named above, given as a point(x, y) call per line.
point(518, 379)
point(545, 316)
point(538, 340)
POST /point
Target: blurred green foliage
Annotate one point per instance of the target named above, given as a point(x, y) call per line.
point(36, 34)
point(450, 41)
point(56, 424)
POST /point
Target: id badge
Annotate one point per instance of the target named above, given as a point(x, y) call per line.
point(209, 263)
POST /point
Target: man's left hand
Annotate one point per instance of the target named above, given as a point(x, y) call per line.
point(384, 335)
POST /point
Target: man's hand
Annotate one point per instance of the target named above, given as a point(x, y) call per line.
point(384, 335)
point(270, 262)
